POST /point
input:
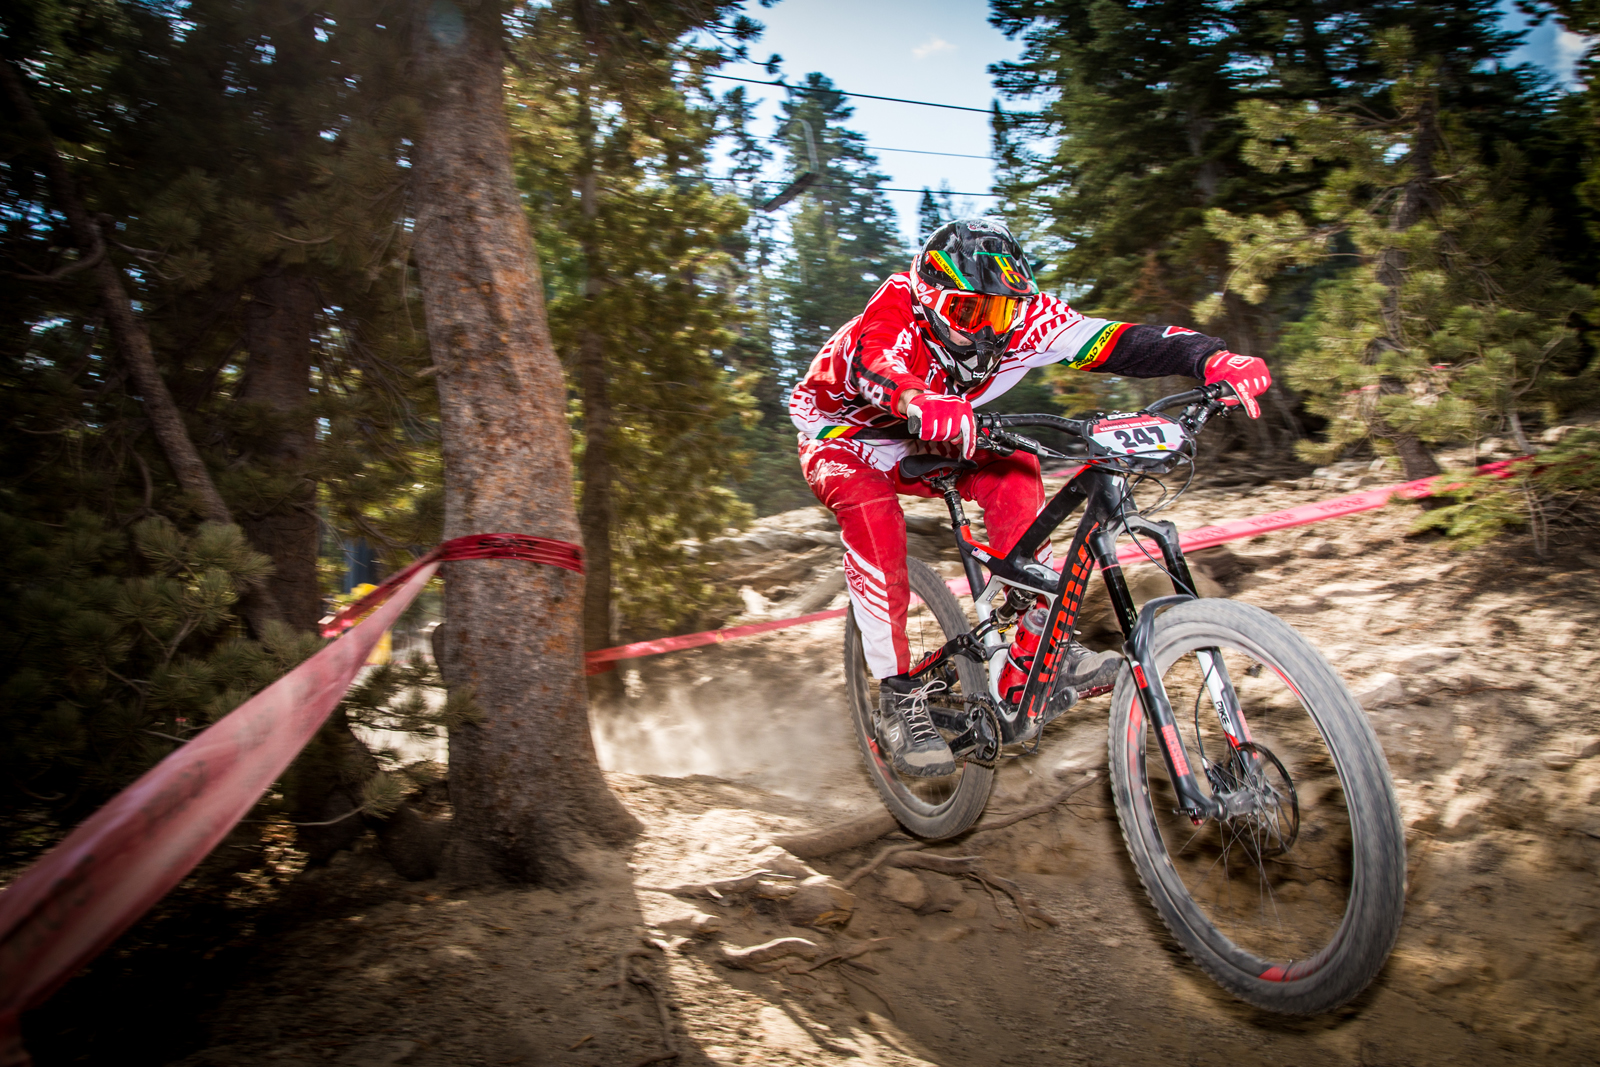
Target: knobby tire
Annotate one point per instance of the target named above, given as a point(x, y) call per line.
point(1330, 903)
point(932, 809)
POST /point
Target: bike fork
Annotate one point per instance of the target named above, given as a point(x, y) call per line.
point(1152, 695)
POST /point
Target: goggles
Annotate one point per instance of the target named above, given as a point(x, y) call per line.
point(971, 312)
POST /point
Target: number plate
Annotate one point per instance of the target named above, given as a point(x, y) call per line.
point(1137, 435)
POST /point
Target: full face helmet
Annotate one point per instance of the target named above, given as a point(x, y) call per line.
point(972, 283)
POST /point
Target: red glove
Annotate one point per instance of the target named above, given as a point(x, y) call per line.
point(943, 418)
point(1247, 374)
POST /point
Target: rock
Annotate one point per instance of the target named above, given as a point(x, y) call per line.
point(695, 924)
point(779, 541)
point(830, 538)
point(904, 888)
point(1320, 549)
point(775, 890)
point(1419, 659)
point(816, 596)
point(1380, 689)
point(1558, 761)
point(1554, 434)
point(755, 604)
point(820, 901)
point(946, 935)
point(1221, 564)
point(1588, 747)
point(781, 861)
point(1463, 816)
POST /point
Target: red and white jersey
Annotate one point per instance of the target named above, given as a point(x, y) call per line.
point(853, 386)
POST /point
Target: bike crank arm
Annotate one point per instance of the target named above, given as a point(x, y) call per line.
point(966, 644)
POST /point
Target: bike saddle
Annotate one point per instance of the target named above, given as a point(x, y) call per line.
point(929, 465)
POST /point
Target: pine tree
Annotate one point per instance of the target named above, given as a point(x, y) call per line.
point(207, 195)
point(1454, 320)
point(844, 240)
point(1142, 119)
point(612, 148)
point(771, 481)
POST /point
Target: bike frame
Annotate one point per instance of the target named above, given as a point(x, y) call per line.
point(1108, 499)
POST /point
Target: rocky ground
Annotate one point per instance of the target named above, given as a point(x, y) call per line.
point(1477, 670)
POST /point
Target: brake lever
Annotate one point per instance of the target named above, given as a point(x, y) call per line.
point(1015, 442)
point(1038, 448)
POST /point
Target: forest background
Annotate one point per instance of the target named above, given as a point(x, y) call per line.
point(220, 400)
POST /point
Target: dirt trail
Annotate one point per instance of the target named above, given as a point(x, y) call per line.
point(1477, 670)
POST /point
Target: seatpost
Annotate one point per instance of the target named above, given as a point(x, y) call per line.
point(946, 485)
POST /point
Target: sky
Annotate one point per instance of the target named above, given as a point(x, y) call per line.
point(940, 51)
point(934, 50)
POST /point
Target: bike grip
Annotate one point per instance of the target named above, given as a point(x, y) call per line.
point(914, 421)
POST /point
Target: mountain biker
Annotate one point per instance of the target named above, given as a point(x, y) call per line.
point(955, 331)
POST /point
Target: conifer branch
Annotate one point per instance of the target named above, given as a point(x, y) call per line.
point(131, 337)
point(83, 262)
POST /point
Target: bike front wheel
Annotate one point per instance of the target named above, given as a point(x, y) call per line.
point(1295, 905)
point(932, 808)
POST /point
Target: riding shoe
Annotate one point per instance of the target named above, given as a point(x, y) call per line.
point(1084, 670)
point(1081, 671)
point(907, 730)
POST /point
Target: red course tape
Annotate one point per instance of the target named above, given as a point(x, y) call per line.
point(474, 546)
point(74, 901)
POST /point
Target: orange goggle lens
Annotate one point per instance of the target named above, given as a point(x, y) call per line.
point(971, 312)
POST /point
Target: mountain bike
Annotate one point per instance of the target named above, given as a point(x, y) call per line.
point(1253, 795)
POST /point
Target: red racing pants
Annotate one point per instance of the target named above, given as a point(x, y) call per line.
point(863, 500)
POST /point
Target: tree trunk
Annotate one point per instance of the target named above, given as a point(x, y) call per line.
point(278, 324)
point(133, 343)
point(1416, 199)
point(595, 511)
point(325, 784)
point(524, 781)
point(595, 516)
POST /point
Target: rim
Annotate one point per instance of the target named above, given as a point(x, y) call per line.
point(927, 797)
point(1277, 887)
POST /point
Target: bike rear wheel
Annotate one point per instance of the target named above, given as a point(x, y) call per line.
point(1295, 906)
point(932, 808)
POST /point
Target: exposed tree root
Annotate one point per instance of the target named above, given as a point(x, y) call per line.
point(770, 955)
point(877, 861)
point(723, 887)
point(859, 949)
point(1000, 822)
point(627, 973)
point(815, 844)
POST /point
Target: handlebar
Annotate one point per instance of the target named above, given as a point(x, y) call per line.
point(1202, 404)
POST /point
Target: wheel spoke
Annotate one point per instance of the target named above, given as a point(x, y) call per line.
point(1268, 893)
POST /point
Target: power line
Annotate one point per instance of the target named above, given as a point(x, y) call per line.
point(913, 151)
point(920, 152)
point(876, 188)
point(841, 92)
